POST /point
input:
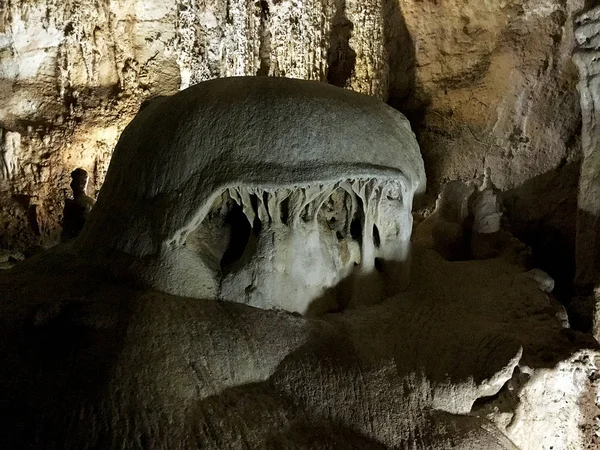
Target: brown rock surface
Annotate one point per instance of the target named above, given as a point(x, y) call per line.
point(487, 84)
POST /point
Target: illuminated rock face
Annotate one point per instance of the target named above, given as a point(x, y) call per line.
point(301, 243)
point(268, 191)
point(470, 356)
point(486, 78)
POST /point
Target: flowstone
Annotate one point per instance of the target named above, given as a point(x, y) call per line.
point(274, 192)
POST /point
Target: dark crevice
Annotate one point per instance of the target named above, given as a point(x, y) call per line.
point(506, 399)
point(284, 212)
point(32, 216)
point(341, 58)
point(228, 17)
point(548, 225)
point(240, 235)
point(264, 50)
point(356, 229)
point(357, 223)
point(400, 51)
point(376, 237)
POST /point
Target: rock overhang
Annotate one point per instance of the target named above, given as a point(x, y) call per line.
point(244, 135)
point(272, 132)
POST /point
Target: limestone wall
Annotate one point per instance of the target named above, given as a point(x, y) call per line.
point(486, 84)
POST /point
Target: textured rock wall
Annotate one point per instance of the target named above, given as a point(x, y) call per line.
point(588, 215)
point(487, 84)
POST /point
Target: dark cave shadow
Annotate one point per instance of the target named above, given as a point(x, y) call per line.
point(582, 307)
point(264, 49)
point(337, 298)
point(587, 249)
point(542, 213)
point(297, 425)
point(66, 357)
point(452, 334)
point(587, 277)
point(371, 289)
point(70, 321)
point(403, 94)
point(341, 58)
point(399, 49)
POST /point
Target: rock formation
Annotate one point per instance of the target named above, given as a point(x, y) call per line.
point(258, 147)
point(472, 355)
point(78, 208)
point(480, 81)
point(144, 332)
point(588, 214)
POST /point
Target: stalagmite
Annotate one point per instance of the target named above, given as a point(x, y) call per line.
point(327, 206)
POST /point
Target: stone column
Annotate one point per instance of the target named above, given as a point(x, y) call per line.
point(587, 59)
